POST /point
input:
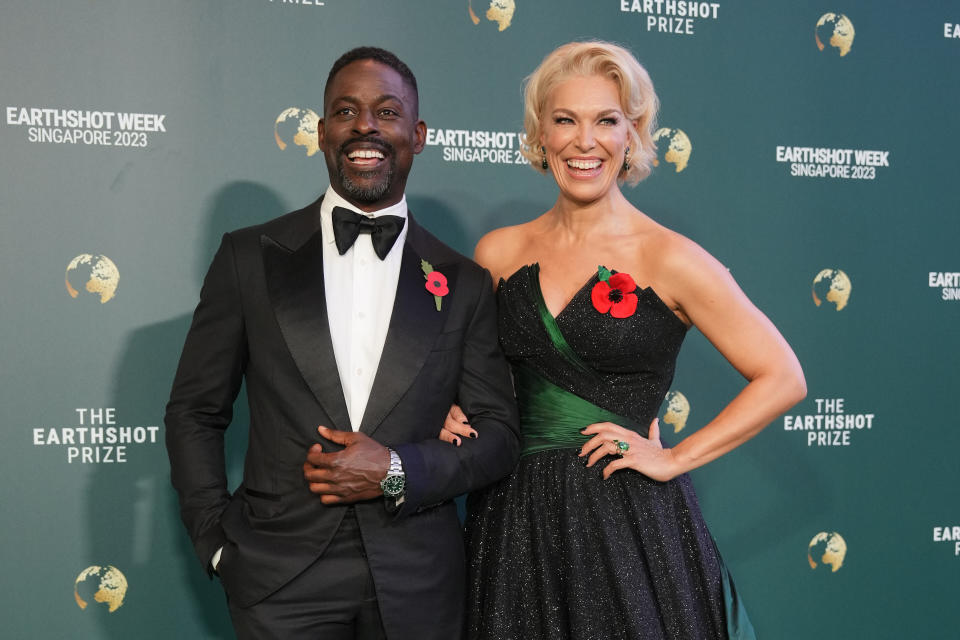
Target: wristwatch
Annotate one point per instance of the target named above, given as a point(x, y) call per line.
point(393, 482)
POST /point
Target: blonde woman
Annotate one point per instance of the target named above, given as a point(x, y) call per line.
point(597, 533)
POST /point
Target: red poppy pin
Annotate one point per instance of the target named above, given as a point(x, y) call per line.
point(436, 282)
point(614, 293)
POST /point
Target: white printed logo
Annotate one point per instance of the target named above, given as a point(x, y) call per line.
point(824, 162)
point(491, 147)
point(97, 128)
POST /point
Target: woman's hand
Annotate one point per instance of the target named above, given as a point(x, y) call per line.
point(645, 455)
point(456, 426)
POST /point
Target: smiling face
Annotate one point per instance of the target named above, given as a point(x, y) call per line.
point(585, 134)
point(370, 133)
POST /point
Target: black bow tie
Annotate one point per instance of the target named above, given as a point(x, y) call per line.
point(383, 230)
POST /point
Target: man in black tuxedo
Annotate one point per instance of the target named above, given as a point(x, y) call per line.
point(344, 525)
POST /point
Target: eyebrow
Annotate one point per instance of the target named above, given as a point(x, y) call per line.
point(605, 112)
point(379, 99)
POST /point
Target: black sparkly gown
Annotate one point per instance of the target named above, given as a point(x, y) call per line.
point(555, 551)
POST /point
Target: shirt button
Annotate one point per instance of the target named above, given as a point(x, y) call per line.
point(363, 261)
point(359, 372)
point(361, 315)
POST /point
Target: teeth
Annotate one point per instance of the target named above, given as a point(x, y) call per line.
point(365, 153)
point(583, 164)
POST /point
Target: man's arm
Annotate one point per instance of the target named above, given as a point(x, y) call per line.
point(201, 403)
point(437, 471)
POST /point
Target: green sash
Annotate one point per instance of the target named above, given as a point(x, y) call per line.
point(552, 417)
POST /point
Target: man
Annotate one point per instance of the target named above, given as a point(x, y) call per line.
point(344, 525)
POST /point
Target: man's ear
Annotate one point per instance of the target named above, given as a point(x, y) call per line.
point(320, 134)
point(421, 135)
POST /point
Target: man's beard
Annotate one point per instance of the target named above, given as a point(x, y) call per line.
point(374, 192)
point(370, 193)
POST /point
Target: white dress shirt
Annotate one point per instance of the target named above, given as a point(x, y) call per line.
point(360, 291)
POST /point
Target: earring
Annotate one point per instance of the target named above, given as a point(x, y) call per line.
point(543, 162)
point(626, 161)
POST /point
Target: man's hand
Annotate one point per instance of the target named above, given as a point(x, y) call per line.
point(350, 475)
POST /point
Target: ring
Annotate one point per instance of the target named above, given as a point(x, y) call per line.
point(622, 447)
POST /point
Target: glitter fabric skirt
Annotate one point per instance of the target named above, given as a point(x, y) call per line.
point(556, 552)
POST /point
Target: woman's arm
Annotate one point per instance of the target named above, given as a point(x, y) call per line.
point(708, 295)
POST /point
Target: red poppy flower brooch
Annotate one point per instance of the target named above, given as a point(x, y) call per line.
point(615, 292)
point(436, 282)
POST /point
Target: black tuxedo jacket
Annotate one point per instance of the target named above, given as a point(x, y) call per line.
point(262, 317)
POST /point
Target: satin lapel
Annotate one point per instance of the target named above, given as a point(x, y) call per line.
point(414, 327)
point(295, 286)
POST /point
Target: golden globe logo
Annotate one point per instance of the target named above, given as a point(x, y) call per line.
point(836, 31)
point(832, 285)
point(92, 275)
point(108, 585)
point(827, 548)
point(677, 145)
point(499, 11)
point(677, 411)
point(299, 127)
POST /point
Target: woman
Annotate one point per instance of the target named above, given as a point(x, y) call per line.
point(597, 533)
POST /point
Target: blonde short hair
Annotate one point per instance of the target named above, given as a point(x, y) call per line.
point(595, 58)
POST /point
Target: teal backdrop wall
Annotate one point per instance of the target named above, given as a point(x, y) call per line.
point(810, 147)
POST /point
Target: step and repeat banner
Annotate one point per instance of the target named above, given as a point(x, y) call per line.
point(811, 147)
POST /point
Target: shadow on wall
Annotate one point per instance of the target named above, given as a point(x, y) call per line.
point(462, 225)
point(132, 512)
point(442, 221)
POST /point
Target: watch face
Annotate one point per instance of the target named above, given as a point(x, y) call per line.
point(392, 486)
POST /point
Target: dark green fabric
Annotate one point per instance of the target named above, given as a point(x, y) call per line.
point(739, 626)
point(550, 324)
point(552, 417)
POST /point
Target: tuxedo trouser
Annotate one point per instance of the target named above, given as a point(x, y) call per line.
point(333, 599)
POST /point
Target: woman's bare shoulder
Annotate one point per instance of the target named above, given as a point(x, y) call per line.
point(503, 251)
point(670, 252)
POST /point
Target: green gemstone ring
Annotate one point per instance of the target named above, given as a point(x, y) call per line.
point(622, 447)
